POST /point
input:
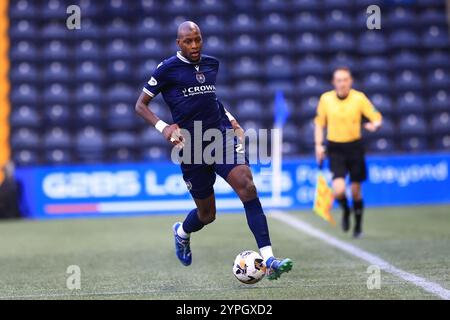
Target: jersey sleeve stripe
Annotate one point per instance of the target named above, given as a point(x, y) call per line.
point(148, 92)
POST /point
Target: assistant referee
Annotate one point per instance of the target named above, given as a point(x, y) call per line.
point(341, 112)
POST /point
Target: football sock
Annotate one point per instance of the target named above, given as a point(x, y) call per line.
point(257, 222)
point(343, 203)
point(181, 233)
point(266, 252)
point(358, 208)
point(192, 223)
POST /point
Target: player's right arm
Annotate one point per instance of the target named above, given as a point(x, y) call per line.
point(320, 122)
point(154, 86)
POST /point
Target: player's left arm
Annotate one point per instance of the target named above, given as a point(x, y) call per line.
point(371, 113)
point(235, 124)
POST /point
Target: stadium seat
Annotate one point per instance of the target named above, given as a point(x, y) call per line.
point(249, 109)
point(440, 123)
point(375, 63)
point(414, 144)
point(408, 80)
point(245, 45)
point(433, 16)
point(406, 60)
point(23, 30)
point(54, 31)
point(376, 82)
point(308, 43)
point(340, 41)
point(382, 102)
point(244, 23)
point(121, 116)
point(304, 5)
point(212, 25)
point(90, 30)
point(439, 100)
point(150, 137)
point(273, 6)
point(342, 59)
point(119, 70)
point(438, 79)
point(244, 89)
point(307, 22)
point(25, 116)
point(57, 138)
point(89, 113)
point(371, 42)
point(88, 92)
point(25, 157)
point(58, 114)
point(121, 92)
point(387, 130)
point(90, 145)
point(308, 108)
point(442, 142)
point(24, 9)
point(410, 102)
point(278, 67)
point(25, 138)
point(56, 72)
point(23, 72)
point(121, 49)
point(119, 8)
point(435, 37)
point(54, 9)
point(58, 156)
point(401, 17)
point(87, 50)
point(381, 145)
point(23, 51)
point(118, 28)
point(403, 39)
point(89, 71)
point(412, 125)
point(312, 86)
point(215, 46)
point(155, 154)
point(277, 43)
point(337, 4)
point(212, 7)
point(121, 146)
point(276, 22)
point(23, 94)
point(338, 20)
point(438, 59)
point(246, 68)
point(56, 93)
point(311, 65)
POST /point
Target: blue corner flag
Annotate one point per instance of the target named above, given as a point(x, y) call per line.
point(281, 111)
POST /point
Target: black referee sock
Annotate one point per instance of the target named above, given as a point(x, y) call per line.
point(343, 203)
point(358, 208)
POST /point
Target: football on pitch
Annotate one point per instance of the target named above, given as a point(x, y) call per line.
point(248, 267)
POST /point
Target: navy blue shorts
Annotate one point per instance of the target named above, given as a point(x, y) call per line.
point(200, 178)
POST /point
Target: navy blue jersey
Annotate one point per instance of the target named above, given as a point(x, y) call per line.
point(189, 89)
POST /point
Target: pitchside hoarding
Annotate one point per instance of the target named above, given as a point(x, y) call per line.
point(158, 188)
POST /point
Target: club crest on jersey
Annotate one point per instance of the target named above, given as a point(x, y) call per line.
point(152, 82)
point(200, 77)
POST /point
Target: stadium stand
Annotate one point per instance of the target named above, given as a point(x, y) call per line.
point(73, 91)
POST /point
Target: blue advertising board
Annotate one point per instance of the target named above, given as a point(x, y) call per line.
point(156, 188)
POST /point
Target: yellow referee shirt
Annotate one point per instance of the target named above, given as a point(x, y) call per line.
point(342, 117)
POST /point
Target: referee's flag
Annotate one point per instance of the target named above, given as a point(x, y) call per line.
point(323, 199)
point(281, 110)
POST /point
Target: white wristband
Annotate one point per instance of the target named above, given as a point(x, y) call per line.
point(160, 125)
point(230, 116)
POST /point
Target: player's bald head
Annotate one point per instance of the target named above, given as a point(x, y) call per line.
point(186, 28)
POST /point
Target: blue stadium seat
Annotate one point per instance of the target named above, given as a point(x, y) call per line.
point(438, 79)
point(89, 114)
point(408, 80)
point(57, 138)
point(308, 108)
point(25, 157)
point(118, 28)
point(88, 92)
point(150, 48)
point(274, 6)
point(23, 72)
point(340, 41)
point(387, 130)
point(119, 70)
point(381, 145)
point(435, 37)
point(54, 31)
point(375, 63)
point(412, 124)
point(150, 8)
point(403, 39)
point(244, 23)
point(338, 20)
point(440, 123)
point(56, 72)
point(376, 82)
point(371, 42)
point(306, 134)
point(90, 30)
point(430, 3)
point(276, 22)
point(311, 65)
point(304, 5)
point(278, 67)
point(245, 89)
point(337, 4)
point(145, 69)
point(286, 86)
point(89, 71)
point(24, 94)
point(312, 86)
point(25, 116)
point(56, 50)
point(307, 22)
point(277, 43)
point(58, 156)
point(439, 100)
point(149, 26)
point(414, 144)
point(155, 154)
point(406, 60)
point(212, 7)
point(382, 102)
point(58, 114)
point(23, 51)
point(213, 24)
point(56, 93)
point(24, 9)
point(121, 146)
point(342, 60)
point(410, 102)
point(91, 8)
point(119, 49)
point(437, 59)
point(54, 9)
point(23, 30)
point(25, 138)
point(435, 17)
point(121, 116)
point(442, 142)
point(401, 17)
point(177, 7)
point(150, 137)
point(245, 68)
point(121, 93)
point(119, 8)
point(245, 45)
point(308, 43)
point(249, 109)
point(215, 46)
point(90, 145)
point(87, 50)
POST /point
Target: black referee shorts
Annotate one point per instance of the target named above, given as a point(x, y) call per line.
point(347, 158)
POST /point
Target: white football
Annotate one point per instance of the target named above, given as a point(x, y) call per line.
point(248, 267)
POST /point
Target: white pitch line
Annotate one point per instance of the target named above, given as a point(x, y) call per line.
point(423, 283)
